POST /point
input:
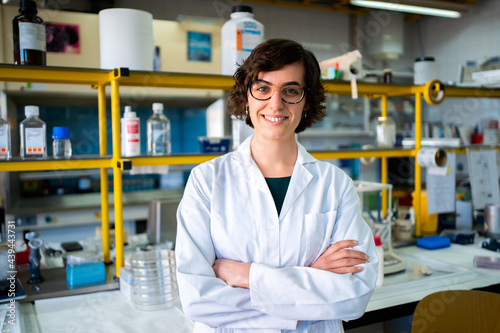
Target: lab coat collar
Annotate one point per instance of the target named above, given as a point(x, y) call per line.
point(244, 155)
point(300, 177)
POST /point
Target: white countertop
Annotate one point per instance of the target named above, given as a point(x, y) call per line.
point(451, 268)
point(109, 311)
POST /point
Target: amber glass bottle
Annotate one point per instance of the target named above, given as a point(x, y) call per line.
point(28, 32)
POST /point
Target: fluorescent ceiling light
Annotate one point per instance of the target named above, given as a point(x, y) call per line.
point(399, 7)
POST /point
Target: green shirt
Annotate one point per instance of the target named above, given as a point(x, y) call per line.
point(278, 187)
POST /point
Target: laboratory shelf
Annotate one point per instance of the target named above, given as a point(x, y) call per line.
point(38, 164)
point(92, 76)
point(60, 75)
point(475, 92)
point(186, 159)
point(364, 153)
point(179, 159)
point(175, 80)
point(433, 92)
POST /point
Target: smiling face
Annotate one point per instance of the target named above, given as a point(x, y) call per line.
point(274, 119)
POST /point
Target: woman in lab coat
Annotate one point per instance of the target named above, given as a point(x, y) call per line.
point(269, 239)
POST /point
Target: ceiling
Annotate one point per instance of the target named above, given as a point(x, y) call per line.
point(340, 6)
point(344, 6)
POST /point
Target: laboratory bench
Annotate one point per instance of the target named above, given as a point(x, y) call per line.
point(428, 271)
point(104, 307)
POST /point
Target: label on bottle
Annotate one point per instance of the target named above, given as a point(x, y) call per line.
point(247, 40)
point(4, 147)
point(132, 138)
point(34, 141)
point(32, 36)
point(159, 139)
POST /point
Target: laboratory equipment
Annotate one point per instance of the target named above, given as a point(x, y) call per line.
point(35, 257)
point(84, 267)
point(381, 223)
point(33, 134)
point(28, 32)
point(158, 132)
point(5, 148)
point(386, 132)
point(131, 133)
point(61, 144)
point(380, 254)
point(492, 219)
point(239, 36)
point(154, 285)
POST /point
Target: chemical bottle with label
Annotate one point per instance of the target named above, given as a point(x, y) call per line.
point(131, 133)
point(28, 31)
point(5, 152)
point(33, 134)
point(239, 36)
point(158, 128)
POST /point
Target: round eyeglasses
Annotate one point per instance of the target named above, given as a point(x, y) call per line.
point(290, 93)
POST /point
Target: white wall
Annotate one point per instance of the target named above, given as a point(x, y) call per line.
point(320, 31)
point(453, 42)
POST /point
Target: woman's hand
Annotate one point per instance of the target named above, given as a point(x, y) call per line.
point(341, 260)
point(234, 273)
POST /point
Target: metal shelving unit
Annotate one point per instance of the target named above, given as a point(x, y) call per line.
point(433, 93)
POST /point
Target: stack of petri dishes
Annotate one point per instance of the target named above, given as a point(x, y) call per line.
point(154, 285)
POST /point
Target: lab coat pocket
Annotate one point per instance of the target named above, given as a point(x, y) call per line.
point(318, 232)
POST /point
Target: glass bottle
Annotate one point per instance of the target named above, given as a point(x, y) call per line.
point(61, 144)
point(33, 134)
point(388, 75)
point(5, 152)
point(158, 128)
point(28, 31)
point(386, 132)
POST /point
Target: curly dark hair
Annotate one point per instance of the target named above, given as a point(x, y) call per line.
point(273, 55)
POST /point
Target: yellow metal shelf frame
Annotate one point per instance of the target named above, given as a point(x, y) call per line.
point(433, 92)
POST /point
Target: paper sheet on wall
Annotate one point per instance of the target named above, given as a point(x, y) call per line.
point(483, 174)
point(441, 188)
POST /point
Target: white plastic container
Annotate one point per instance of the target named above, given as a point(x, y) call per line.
point(380, 254)
point(424, 69)
point(158, 129)
point(131, 133)
point(126, 39)
point(239, 36)
point(33, 134)
point(5, 150)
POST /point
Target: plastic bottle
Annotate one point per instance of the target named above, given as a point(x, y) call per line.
point(5, 150)
point(380, 254)
point(28, 32)
point(33, 134)
point(239, 36)
point(158, 128)
point(386, 132)
point(61, 144)
point(131, 133)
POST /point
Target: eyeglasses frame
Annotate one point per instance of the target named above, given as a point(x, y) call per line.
point(304, 90)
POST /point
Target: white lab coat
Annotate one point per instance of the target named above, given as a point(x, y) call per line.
point(227, 211)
